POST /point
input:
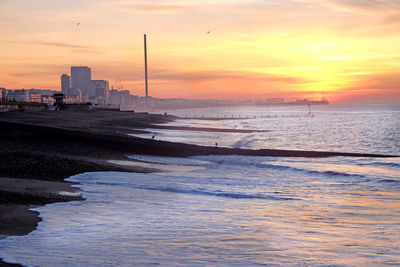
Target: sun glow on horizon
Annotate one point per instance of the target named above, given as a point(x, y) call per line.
point(233, 49)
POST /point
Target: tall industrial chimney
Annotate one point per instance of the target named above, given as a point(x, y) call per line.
point(145, 65)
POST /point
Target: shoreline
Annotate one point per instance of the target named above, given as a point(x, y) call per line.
point(205, 129)
point(41, 149)
point(122, 143)
point(35, 164)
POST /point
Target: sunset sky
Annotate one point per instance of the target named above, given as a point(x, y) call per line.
point(348, 50)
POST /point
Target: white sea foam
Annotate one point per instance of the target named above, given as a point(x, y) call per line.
point(69, 194)
point(168, 160)
point(161, 167)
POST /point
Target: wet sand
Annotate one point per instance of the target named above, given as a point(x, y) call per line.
point(38, 150)
point(19, 194)
point(205, 129)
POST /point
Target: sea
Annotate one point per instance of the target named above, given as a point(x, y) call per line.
point(238, 210)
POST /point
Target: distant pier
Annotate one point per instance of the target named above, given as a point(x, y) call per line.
point(245, 117)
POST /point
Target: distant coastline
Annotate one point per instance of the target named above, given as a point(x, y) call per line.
point(122, 100)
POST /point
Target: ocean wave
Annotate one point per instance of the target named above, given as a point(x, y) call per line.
point(314, 172)
point(382, 164)
point(168, 160)
point(390, 181)
point(233, 195)
point(244, 142)
point(295, 166)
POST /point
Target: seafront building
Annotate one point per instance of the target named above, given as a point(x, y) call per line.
point(35, 97)
point(81, 82)
point(101, 88)
point(123, 98)
point(81, 86)
point(78, 88)
point(17, 95)
point(65, 84)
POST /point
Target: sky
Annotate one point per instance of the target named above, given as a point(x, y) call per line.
point(345, 50)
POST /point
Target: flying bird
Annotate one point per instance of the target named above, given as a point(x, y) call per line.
point(208, 32)
point(78, 24)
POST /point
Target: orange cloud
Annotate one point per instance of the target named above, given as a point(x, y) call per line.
point(152, 8)
point(65, 45)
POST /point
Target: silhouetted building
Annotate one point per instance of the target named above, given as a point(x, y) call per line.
point(46, 92)
point(101, 88)
point(65, 84)
point(36, 98)
point(59, 99)
point(49, 100)
point(17, 95)
point(121, 98)
point(81, 82)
